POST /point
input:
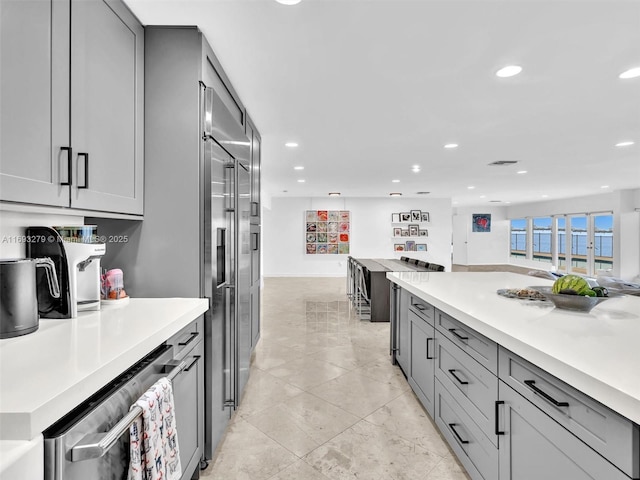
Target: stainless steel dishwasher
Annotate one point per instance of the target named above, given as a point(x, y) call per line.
point(92, 441)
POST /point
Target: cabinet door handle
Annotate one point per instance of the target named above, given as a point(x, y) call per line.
point(195, 360)
point(429, 357)
point(453, 374)
point(255, 237)
point(419, 307)
point(193, 336)
point(452, 426)
point(453, 330)
point(254, 209)
point(86, 169)
point(532, 385)
point(69, 155)
point(498, 403)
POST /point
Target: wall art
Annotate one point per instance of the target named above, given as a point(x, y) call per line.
point(327, 232)
point(481, 222)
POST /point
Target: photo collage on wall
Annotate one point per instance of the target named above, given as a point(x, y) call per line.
point(415, 220)
point(327, 232)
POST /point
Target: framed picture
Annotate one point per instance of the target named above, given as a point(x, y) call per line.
point(421, 247)
point(410, 246)
point(425, 216)
point(416, 215)
point(423, 232)
point(398, 247)
point(481, 222)
point(405, 217)
point(413, 230)
point(405, 232)
point(397, 232)
point(395, 218)
point(327, 232)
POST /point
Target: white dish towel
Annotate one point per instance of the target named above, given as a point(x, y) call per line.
point(154, 452)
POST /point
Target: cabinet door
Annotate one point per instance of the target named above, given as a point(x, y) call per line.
point(34, 94)
point(402, 333)
point(421, 366)
point(106, 107)
point(534, 446)
point(255, 173)
point(255, 314)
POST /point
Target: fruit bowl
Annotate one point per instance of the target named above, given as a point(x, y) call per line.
point(577, 303)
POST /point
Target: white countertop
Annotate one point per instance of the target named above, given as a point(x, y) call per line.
point(43, 375)
point(598, 352)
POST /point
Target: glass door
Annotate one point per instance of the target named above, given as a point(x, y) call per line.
point(602, 242)
point(561, 243)
point(579, 250)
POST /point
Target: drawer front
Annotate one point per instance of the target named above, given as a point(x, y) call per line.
point(187, 338)
point(485, 351)
point(424, 310)
point(472, 385)
point(615, 437)
point(474, 450)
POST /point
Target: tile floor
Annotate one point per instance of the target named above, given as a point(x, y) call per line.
point(324, 402)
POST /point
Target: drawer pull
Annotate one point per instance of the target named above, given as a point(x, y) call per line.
point(452, 426)
point(422, 308)
point(195, 360)
point(498, 403)
point(193, 336)
point(453, 374)
point(428, 356)
point(545, 395)
point(453, 330)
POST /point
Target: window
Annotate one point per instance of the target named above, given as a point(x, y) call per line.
point(542, 239)
point(519, 238)
point(603, 242)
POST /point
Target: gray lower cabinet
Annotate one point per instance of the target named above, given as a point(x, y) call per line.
point(421, 365)
point(84, 147)
point(188, 388)
point(534, 446)
point(400, 327)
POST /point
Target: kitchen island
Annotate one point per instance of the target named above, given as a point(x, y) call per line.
point(46, 374)
point(497, 363)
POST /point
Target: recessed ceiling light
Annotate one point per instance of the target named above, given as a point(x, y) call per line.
point(545, 196)
point(521, 172)
point(299, 167)
point(631, 73)
point(289, 2)
point(395, 181)
point(451, 145)
point(395, 194)
point(334, 194)
point(415, 168)
point(483, 196)
point(509, 71)
point(625, 144)
point(471, 187)
point(604, 186)
point(291, 144)
point(301, 181)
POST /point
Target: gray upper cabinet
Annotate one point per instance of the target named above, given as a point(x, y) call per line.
point(254, 137)
point(72, 116)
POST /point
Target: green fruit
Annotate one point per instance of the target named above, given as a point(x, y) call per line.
point(589, 293)
point(572, 282)
point(601, 291)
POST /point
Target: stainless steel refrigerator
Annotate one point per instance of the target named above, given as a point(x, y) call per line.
point(226, 214)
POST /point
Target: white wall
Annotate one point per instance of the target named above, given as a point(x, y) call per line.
point(482, 248)
point(283, 230)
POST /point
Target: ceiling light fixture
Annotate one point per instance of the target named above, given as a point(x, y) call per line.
point(301, 181)
point(631, 73)
point(415, 168)
point(509, 71)
point(604, 186)
point(521, 172)
point(395, 181)
point(334, 194)
point(300, 167)
point(291, 144)
point(471, 187)
point(395, 194)
point(545, 196)
point(289, 2)
point(451, 145)
point(483, 196)
point(625, 144)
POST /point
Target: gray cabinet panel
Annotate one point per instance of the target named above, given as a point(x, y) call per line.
point(421, 366)
point(473, 386)
point(34, 94)
point(474, 450)
point(485, 351)
point(402, 330)
point(107, 107)
point(615, 437)
point(534, 446)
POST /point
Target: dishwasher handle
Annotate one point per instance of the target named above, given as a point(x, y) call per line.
point(95, 445)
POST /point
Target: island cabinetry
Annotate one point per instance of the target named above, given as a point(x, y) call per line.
point(399, 313)
point(422, 352)
point(572, 418)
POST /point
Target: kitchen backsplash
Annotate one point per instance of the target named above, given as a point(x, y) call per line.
point(12, 226)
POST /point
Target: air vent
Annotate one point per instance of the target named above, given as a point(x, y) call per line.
point(495, 201)
point(501, 163)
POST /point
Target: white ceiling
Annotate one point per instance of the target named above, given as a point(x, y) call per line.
point(369, 88)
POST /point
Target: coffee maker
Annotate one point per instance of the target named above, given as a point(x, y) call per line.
point(76, 254)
